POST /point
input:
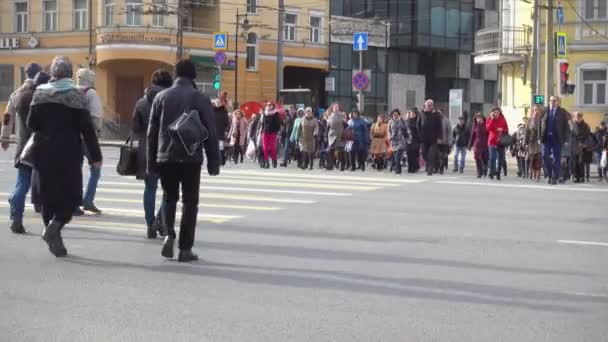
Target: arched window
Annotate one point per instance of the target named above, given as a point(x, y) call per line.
point(252, 53)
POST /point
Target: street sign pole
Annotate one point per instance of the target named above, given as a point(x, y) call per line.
point(360, 104)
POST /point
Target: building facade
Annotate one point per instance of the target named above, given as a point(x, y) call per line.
point(510, 46)
point(129, 39)
point(417, 50)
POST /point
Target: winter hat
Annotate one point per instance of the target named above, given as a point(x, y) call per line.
point(32, 69)
point(41, 78)
point(85, 78)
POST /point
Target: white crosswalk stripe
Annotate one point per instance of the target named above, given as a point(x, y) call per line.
point(235, 194)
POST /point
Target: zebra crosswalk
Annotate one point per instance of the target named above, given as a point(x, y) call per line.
point(235, 194)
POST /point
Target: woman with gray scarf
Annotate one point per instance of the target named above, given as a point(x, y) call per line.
point(59, 118)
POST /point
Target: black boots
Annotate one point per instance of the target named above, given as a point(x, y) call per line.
point(52, 237)
point(167, 250)
point(186, 256)
point(17, 227)
point(274, 164)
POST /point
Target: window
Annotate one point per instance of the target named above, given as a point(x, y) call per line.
point(252, 57)
point(315, 30)
point(476, 69)
point(480, 19)
point(80, 15)
point(49, 15)
point(21, 11)
point(108, 8)
point(594, 85)
point(490, 5)
point(290, 26)
point(595, 9)
point(133, 12)
point(160, 7)
point(6, 82)
point(489, 88)
point(252, 6)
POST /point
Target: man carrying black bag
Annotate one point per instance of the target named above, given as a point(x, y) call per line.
point(181, 123)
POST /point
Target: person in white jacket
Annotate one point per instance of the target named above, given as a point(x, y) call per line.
point(85, 79)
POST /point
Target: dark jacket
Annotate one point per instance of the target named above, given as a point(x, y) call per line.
point(599, 137)
point(413, 135)
point(360, 134)
point(141, 118)
point(288, 126)
point(169, 105)
point(561, 126)
point(479, 140)
point(59, 122)
point(430, 125)
point(222, 122)
point(271, 123)
point(461, 135)
point(252, 130)
point(578, 135)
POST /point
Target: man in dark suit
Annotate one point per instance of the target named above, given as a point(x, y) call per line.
point(554, 132)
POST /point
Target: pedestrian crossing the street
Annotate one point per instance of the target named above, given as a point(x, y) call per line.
point(235, 194)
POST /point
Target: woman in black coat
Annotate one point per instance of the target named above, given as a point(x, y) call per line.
point(59, 118)
point(413, 142)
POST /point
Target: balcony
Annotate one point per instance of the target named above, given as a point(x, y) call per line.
point(502, 45)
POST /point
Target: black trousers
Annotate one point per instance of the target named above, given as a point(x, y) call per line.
point(173, 175)
point(430, 153)
point(357, 159)
point(413, 165)
point(578, 167)
point(341, 162)
point(237, 153)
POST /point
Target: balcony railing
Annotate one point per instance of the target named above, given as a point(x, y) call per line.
point(503, 41)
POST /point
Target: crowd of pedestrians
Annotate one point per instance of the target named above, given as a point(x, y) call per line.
point(58, 121)
point(549, 139)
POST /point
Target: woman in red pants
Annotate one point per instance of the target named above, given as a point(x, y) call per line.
point(271, 124)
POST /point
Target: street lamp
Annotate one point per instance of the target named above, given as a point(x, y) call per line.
point(246, 27)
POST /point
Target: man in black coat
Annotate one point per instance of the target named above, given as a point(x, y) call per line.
point(171, 160)
point(161, 80)
point(430, 127)
point(460, 135)
point(555, 130)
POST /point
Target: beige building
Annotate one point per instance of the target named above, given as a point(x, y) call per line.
point(132, 38)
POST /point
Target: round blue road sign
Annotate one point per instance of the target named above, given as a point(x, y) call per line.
point(220, 58)
point(360, 80)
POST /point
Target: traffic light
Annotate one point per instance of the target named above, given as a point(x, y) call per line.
point(539, 100)
point(217, 80)
point(564, 87)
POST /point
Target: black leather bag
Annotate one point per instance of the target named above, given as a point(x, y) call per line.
point(506, 140)
point(127, 162)
point(189, 132)
point(27, 154)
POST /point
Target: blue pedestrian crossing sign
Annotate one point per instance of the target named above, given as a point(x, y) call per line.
point(559, 12)
point(561, 45)
point(220, 40)
point(360, 41)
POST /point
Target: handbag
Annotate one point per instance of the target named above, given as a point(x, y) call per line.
point(506, 140)
point(189, 131)
point(27, 154)
point(347, 134)
point(604, 159)
point(127, 161)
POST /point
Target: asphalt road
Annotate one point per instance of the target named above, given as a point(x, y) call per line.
point(289, 255)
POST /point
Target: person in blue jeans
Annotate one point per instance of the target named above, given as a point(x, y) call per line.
point(555, 129)
point(85, 79)
point(17, 112)
point(161, 80)
point(460, 135)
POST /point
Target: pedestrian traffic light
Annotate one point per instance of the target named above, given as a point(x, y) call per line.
point(217, 80)
point(539, 100)
point(564, 87)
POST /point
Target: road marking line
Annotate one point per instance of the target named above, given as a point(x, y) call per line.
point(201, 205)
point(269, 183)
point(291, 192)
point(320, 176)
point(587, 243)
point(524, 186)
point(214, 218)
point(302, 180)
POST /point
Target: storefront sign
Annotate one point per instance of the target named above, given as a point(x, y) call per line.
point(9, 43)
point(120, 37)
